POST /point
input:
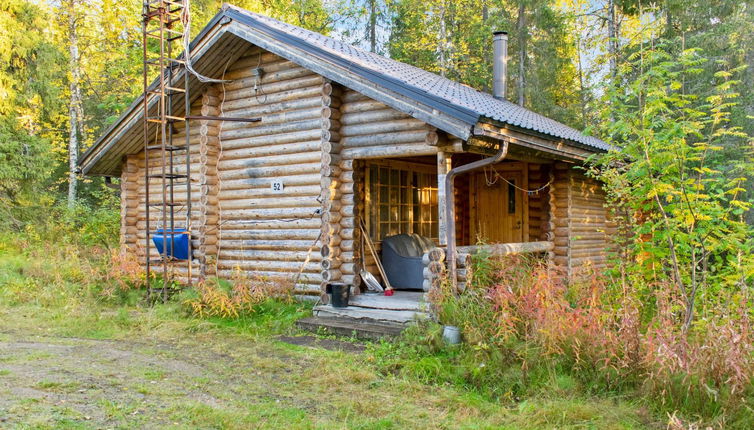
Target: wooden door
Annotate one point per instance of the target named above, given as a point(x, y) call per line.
point(497, 208)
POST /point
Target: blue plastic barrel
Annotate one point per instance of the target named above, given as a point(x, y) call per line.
point(180, 238)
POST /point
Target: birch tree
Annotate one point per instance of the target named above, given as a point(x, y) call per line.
point(75, 107)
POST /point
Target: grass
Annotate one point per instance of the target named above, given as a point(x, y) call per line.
point(72, 359)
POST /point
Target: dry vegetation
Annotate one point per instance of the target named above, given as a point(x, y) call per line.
point(78, 349)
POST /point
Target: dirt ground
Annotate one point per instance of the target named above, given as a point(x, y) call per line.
point(201, 380)
point(57, 382)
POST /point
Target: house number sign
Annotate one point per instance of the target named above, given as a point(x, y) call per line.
point(277, 186)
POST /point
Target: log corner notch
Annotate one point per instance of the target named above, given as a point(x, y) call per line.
point(339, 198)
point(209, 146)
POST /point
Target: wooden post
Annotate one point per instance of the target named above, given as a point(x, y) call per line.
point(443, 166)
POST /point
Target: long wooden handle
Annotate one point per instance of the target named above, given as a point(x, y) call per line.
point(374, 255)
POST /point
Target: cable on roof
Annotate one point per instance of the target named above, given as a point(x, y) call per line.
point(185, 39)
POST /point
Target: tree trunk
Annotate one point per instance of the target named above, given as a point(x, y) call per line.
point(443, 36)
point(582, 90)
point(522, 36)
point(75, 108)
point(372, 25)
point(612, 39)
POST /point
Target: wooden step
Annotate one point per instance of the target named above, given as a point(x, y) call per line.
point(369, 314)
point(352, 327)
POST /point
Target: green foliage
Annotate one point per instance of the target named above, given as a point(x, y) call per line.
point(454, 39)
point(681, 204)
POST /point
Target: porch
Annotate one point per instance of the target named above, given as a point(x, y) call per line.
point(503, 209)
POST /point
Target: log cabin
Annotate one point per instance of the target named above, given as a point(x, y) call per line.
point(351, 148)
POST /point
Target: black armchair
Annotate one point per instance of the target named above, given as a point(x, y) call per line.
point(402, 260)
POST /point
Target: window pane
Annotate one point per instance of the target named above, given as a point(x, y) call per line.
point(511, 197)
point(405, 202)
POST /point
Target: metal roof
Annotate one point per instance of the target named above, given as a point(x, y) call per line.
point(343, 63)
point(449, 92)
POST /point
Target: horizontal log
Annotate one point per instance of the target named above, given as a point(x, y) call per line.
point(274, 87)
point(260, 104)
point(328, 263)
point(289, 181)
point(288, 244)
point(279, 150)
point(237, 227)
point(376, 139)
point(264, 129)
point(366, 117)
point(331, 275)
point(275, 213)
point(246, 237)
point(383, 127)
point(508, 248)
point(363, 105)
point(279, 75)
point(403, 150)
point(269, 172)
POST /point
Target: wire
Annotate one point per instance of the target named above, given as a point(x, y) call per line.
point(258, 83)
point(185, 39)
point(497, 176)
point(219, 158)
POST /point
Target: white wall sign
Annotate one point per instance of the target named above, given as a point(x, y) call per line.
point(277, 186)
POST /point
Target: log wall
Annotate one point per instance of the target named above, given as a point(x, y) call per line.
point(579, 223)
point(315, 138)
point(261, 230)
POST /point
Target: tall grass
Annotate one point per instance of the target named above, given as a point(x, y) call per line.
point(526, 330)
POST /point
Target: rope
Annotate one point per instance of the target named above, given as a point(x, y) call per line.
point(497, 176)
point(306, 260)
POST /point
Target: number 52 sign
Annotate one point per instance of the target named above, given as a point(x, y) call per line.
point(277, 186)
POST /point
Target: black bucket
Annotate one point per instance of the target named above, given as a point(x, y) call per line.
point(339, 294)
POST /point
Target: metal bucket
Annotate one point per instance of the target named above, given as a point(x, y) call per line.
point(451, 335)
point(339, 294)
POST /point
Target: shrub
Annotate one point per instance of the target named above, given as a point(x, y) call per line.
point(528, 328)
point(231, 299)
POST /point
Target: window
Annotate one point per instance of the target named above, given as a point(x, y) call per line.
point(401, 198)
point(511, 196)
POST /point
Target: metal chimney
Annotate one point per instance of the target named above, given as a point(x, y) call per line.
point(500, 64)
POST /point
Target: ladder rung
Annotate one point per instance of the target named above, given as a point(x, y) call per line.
point(167, 93)
point(156, 63)
point(167, 12)
point(168, 233)
point(156, 32)
point(168, 88)
point(167, 147)
point(174, 205)
point(170, 259)
point(168, 118)
point(168, 176)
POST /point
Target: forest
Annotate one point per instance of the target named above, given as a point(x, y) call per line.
point(668, 83)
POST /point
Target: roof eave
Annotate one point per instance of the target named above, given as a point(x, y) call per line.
point(563, 149)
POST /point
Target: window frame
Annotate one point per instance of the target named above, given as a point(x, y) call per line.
point(425, 182)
